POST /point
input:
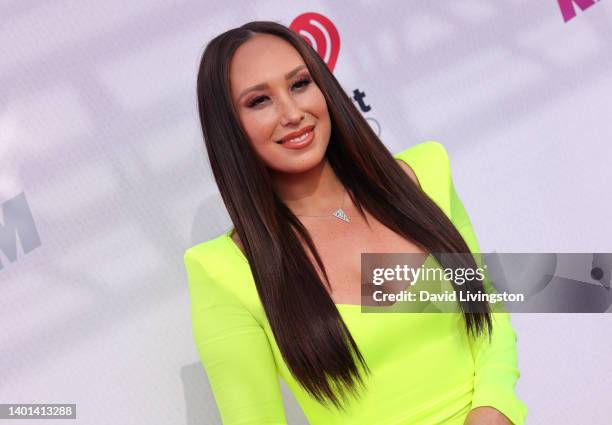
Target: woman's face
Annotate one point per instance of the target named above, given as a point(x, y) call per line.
point(275, 96)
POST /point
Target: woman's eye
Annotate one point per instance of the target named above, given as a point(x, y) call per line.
point(303, 82)
point(256, 101)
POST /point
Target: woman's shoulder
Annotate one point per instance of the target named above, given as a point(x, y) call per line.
point(429, 152)
point(219, 274)
point(430, 162)
point(220, 261)
point(214, 253)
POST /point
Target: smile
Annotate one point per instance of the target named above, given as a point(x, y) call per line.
point(297, 139)
point(300, 141)
point(297, 136)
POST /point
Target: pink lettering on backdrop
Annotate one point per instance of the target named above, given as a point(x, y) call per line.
point(567, 7)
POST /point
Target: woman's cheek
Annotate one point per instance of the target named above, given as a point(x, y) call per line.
point(251, 124)
point(259, 129)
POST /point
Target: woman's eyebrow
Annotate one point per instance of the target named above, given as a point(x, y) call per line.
point(264, 85)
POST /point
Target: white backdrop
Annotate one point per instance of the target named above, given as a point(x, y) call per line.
point(104, 182)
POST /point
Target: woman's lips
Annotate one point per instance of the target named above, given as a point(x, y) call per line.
point(296, 136)
point(300, 142)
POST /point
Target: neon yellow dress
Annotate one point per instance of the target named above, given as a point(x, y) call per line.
point(425, 370)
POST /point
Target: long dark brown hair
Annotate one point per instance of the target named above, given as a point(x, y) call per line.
point(311, 335)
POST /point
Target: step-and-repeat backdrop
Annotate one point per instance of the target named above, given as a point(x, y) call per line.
point(104, 181)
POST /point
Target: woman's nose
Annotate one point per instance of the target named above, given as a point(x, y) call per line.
point(291, 113)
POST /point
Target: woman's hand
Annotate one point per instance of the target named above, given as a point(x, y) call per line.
point(486, 415)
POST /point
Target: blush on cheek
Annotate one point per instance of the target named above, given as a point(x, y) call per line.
point(258, 127)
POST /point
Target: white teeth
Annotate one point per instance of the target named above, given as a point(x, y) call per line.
point(300, 138)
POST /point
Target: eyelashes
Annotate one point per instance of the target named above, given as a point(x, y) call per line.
point(299, 84)
point(304, 81)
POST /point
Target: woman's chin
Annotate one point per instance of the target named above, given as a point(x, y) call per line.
point(297, 166)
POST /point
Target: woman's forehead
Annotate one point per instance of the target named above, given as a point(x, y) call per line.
point(263, 57)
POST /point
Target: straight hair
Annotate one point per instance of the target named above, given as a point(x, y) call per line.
point(313, 339)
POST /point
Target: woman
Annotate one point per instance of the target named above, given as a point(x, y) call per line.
point(309, 187)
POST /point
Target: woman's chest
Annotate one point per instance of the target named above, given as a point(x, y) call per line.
point(341, 244)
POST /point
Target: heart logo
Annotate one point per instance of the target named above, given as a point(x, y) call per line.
point(321, 34)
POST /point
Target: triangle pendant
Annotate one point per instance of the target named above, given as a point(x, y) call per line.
point(341, 215)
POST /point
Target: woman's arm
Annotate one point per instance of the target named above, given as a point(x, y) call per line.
point(234, 351)
point(496, 363)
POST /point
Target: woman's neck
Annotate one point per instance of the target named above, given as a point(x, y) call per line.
point(313, 192)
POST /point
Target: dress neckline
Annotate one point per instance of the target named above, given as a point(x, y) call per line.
point(239, 252)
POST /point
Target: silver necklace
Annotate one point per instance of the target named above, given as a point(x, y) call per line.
point(339, 213)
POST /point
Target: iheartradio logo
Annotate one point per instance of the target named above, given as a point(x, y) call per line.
point(323, 37)
point(321, 34)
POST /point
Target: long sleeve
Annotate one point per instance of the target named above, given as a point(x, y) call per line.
point(234, 351)
point(496, 362)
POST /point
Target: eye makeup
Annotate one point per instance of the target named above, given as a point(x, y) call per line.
point(301, 83)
